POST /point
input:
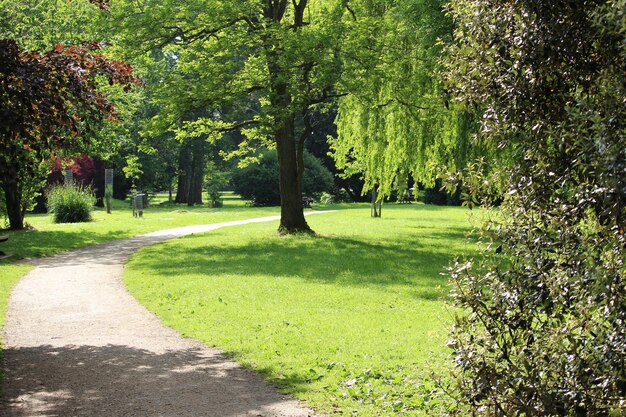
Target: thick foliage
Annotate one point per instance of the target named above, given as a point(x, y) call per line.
point(260, 67)
point(70, 203)
point(48, 102)
point(47, 97)
point(396, 126)
point(258, 182)
point(545, 330)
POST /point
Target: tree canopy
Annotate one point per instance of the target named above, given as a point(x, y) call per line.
point(51, 100)
point(258, 67)
point(48, 102)
point(265, 67)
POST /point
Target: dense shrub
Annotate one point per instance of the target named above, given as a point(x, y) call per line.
point(70, 203)
point(543, 325)
point(441, 197)
point(259, 184)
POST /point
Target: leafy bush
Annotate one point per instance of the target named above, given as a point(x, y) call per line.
point(259, 184)
point(71, 203)
point(544, 332)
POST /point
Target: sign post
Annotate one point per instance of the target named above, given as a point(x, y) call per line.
point(68, 177)
point(108, 189)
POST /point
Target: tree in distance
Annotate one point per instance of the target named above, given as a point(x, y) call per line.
point(258, 182)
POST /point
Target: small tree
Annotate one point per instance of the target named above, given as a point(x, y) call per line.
point(48, 103)
point(214, 183)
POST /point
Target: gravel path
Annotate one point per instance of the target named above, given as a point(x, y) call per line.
point(78, 344)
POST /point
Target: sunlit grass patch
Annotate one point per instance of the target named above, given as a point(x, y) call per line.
point(353, 319)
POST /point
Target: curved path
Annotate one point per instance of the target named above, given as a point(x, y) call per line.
point(78, 344)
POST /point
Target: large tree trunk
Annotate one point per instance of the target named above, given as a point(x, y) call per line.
point(291, 209)
point(196, 178)
point(191, 163)
point(13, 201)
point(184, 171)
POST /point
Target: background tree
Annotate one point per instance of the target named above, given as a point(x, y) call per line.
point(395, 126)
point(346, 188)
point(277, 58)
point(42, 24)
point(544, 334)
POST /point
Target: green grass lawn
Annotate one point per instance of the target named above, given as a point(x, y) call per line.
point(352, 321)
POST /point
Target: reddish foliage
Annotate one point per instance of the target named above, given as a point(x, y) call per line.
point(50, 101)
point(102, 4)
point(82, 166)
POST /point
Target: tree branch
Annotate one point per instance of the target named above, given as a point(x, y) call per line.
point(349, 9)
point(237, 126)
point(325, 96)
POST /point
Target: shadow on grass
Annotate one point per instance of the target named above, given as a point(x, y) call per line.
point(119, 380)
point(407, 261)
point(36, 243)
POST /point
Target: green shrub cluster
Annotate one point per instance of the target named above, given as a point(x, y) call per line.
point(70, 203)
point(541, 330)
point(259, 183)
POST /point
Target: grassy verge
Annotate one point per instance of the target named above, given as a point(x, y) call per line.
point(352, 321)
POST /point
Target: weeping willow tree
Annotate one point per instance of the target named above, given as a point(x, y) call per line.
point(395, 123)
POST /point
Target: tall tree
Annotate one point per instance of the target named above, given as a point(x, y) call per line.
point(544, 332)
point(276, 56)
point(191, 167)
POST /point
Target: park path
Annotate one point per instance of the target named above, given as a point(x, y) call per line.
point(78, 344)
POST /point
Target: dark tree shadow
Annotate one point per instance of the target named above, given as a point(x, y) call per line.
point(124, 381)
point(350, 262)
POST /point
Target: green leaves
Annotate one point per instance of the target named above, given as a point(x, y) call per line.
point(394, 124)
point(50, 102)
point(544, 334)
